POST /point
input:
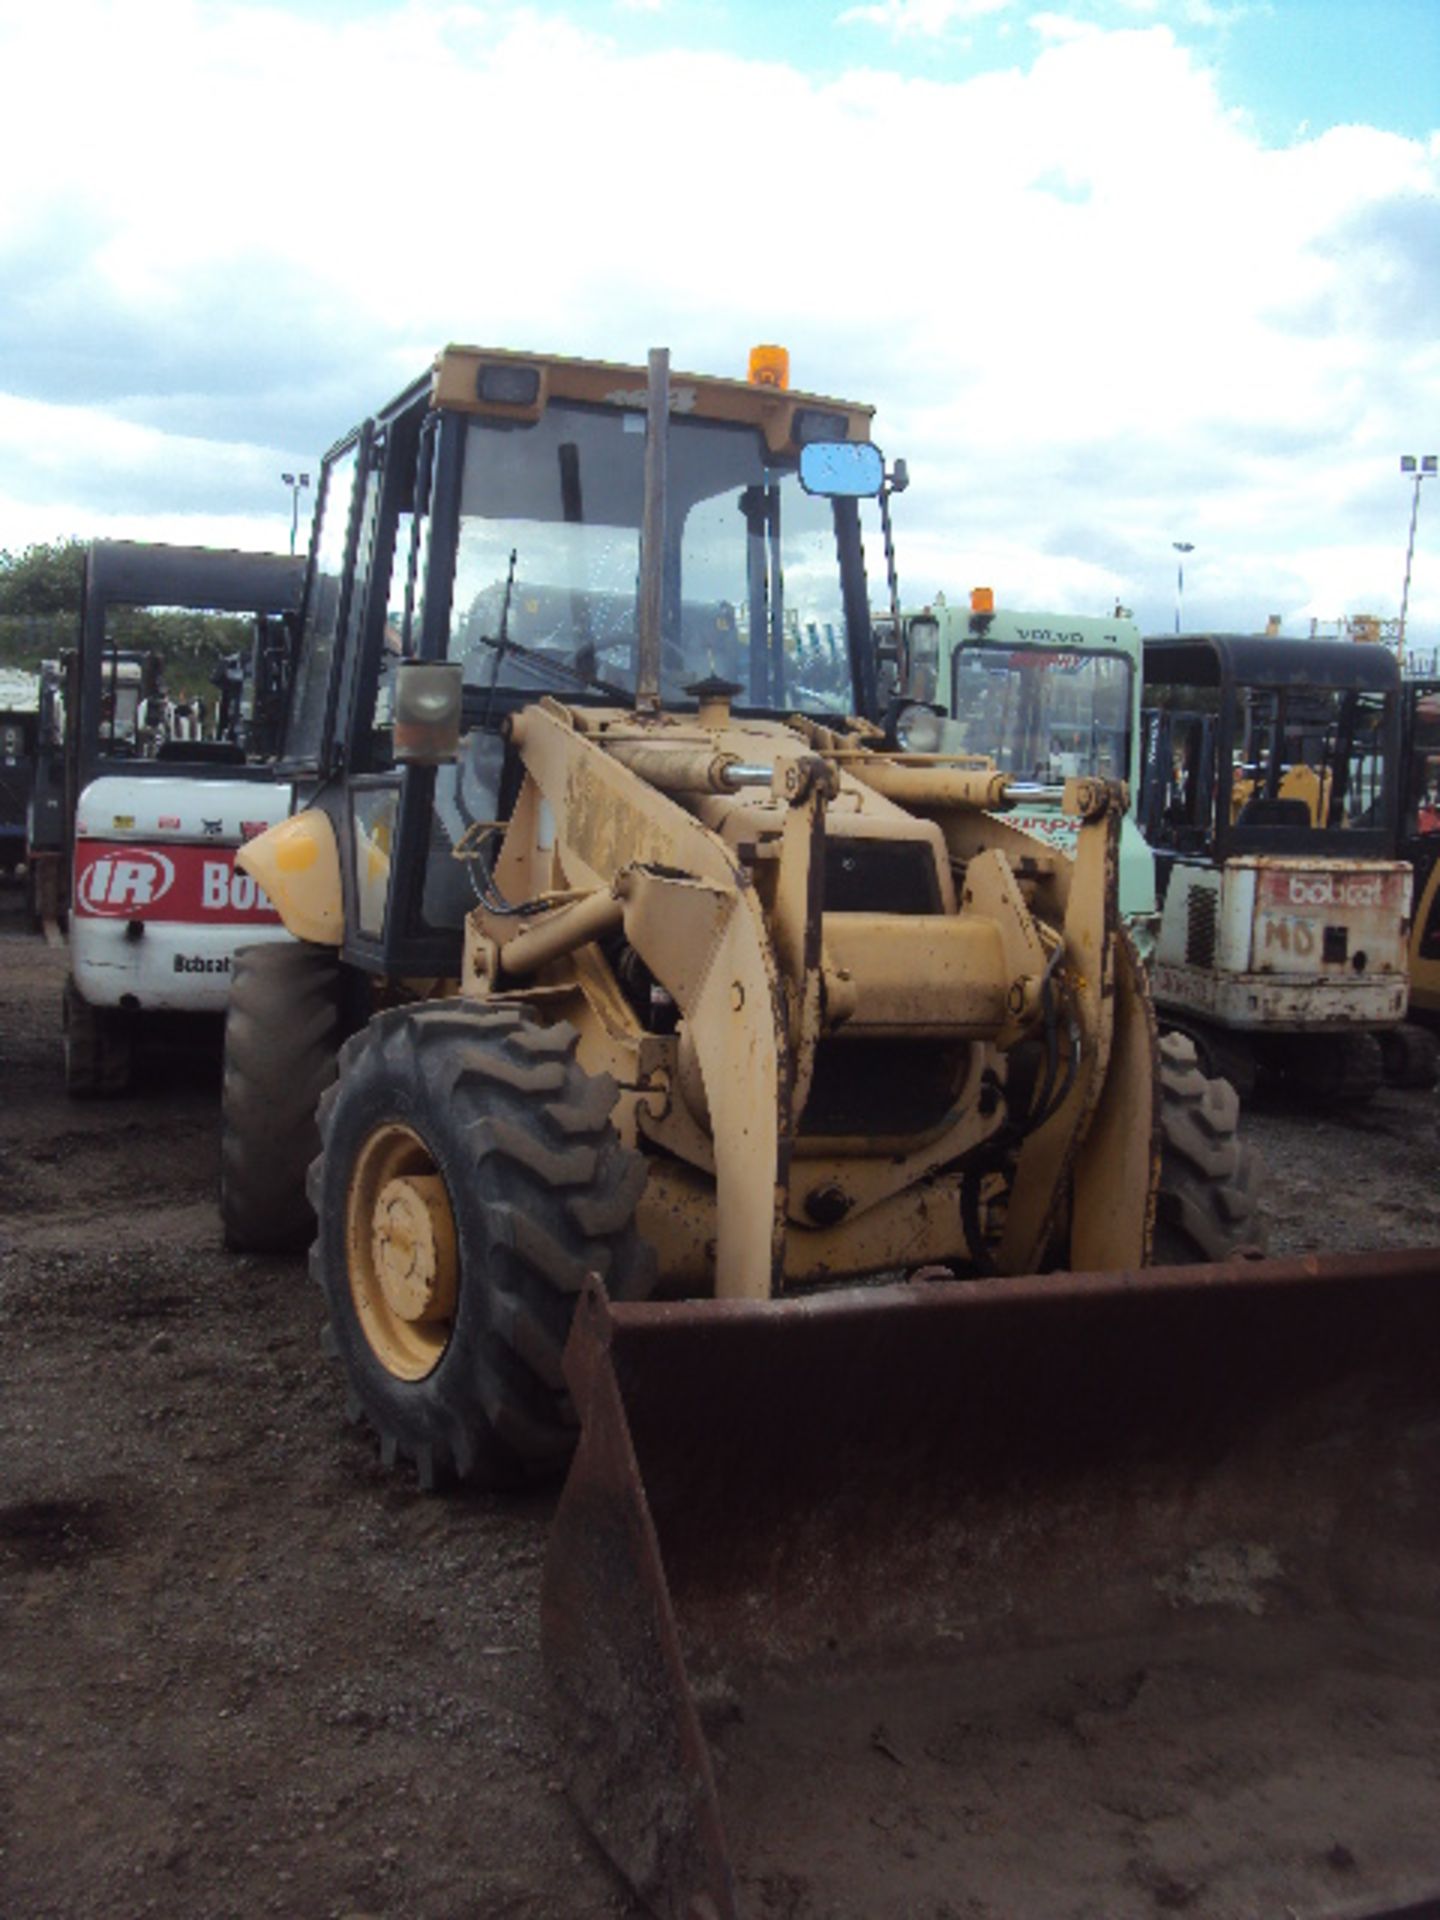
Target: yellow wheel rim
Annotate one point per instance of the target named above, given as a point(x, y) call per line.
point(401, 1253)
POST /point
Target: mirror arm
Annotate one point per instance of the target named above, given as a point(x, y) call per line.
point(895, 481)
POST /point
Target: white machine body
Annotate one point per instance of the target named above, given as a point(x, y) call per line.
point(158, 908)
point(1299, 945)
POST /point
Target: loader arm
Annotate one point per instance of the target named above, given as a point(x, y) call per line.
point(688, 906)
point(704, 846)
point(1047, 1158)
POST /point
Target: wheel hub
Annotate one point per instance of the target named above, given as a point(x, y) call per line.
point(400, 1244)
point(413, 1247)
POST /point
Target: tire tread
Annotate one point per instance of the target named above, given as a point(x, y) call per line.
point(544, 1194)
point(1208, 1205)
point(282, 1037)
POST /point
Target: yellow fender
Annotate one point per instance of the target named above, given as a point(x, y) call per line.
point(1424, 972)
point(298, 865)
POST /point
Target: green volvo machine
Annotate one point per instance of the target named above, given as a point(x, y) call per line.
point(1044, 697)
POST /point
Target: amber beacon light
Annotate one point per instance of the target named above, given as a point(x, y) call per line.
point(769, 367)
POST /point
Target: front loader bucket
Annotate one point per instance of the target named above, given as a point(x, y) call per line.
point(1079, 1595)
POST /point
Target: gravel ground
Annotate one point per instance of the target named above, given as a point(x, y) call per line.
point(243, 1671)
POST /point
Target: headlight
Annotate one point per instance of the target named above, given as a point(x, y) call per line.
point(503, 384)
point(918, 730)
point(428, 698)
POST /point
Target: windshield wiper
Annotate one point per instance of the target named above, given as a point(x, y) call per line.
point(504, 645)
point(550, 663)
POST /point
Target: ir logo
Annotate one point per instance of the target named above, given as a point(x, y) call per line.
point(125, 883)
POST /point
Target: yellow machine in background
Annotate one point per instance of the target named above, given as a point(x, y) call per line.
point(1420, 840)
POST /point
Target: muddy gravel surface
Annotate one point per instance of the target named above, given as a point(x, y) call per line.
point(242, 1669)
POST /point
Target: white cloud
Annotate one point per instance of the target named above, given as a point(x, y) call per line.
point(1096, 311)
point(926, 18)
point(83, 472)
point(1061, 26)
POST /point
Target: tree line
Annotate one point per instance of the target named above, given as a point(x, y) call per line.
point(40, 593)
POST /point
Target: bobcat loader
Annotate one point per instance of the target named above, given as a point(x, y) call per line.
point(146, 813)
point(675, 1001)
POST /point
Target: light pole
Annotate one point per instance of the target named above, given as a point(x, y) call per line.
point(1423, 468)
point(295, 481)
point(1182, 547)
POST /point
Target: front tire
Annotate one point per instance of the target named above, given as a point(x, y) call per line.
point(282, 1036)
point(1208, 1204)
point(1224, 1055)
point(469, 1180)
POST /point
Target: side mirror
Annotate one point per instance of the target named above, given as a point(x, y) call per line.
point(426, 730)
point(842, 469)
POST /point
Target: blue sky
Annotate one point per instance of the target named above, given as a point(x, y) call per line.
point(1289, 65)
point(1313, 64)
point(1114, 273)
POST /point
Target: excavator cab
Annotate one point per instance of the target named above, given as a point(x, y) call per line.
point(1270, 799)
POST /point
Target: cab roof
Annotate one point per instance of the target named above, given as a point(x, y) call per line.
point(141, 573)
point(1257, 659)
point(455, 384)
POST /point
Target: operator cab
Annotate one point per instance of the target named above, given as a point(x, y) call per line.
point(1263, 745)
point(1043, 698)
point(490, 519)
point(144, 603)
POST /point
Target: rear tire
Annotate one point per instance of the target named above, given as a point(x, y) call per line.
point(99, 1047)
point(469, 1180)
point(45, 890)
point(1343, 1069)
point(1208, 1204)
point(282, 1037)
point(1410, 1055)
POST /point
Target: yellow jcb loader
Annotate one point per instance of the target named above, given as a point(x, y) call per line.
point(1420, 845)
point(678, 1000)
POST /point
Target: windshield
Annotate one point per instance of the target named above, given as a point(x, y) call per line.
point(1309, 757)
point(1043, 714)
point(547, 562)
